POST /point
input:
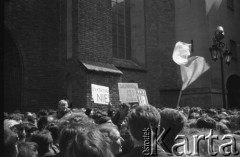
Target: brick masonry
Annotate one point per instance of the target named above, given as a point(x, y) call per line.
point(40, 31)
point(35, 27)
point(160, 40)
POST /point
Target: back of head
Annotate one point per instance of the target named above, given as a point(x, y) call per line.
point(173, 122)
point(43, 139)
point(172, 118)
point(42, 112)
point(28, 149)
point(76, 117)
point(206, 122)
point(107, 129)
point(42, 122)
point(54, 129)
point(68, 133)
point(143, 117)
point(89, 144)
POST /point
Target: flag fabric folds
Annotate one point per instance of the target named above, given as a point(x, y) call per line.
point(191, 67)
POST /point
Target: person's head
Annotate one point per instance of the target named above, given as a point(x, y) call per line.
point(112, 136)
point(28, 149)
point(54, 129)
point(16, 127)
point(10, 143)
point(27, 114)
point(41, 113)
point(89, 144)
point(68, 132)
point(29, 129)
point(104, 119)
point(206, 122)
point(124, 108)
point(141, 118)
point(42, 122)
point(20, 130)
point(62, 105)
point(173, 122)
point(44, 141)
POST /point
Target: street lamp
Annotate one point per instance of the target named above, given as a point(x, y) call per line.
point(219, 49)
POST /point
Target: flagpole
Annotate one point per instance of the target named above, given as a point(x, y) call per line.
point(179, 98)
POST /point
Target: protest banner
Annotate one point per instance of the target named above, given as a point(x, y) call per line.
point(142, 97)
point(100, 94)
point(128, 92)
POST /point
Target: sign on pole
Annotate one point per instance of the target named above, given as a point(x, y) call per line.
point(128, 92)
point(100, 94)
point(142, 97)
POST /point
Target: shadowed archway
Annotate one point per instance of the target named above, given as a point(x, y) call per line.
point(12, 74)
point(233, 87)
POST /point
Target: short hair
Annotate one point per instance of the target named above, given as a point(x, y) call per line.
point(43, 139)
point(42, 123)
point(206, 122)
point(89, 144)
point(42, 112)
point(107, 129)
point(27, 149)
point(172, 118)
point(68, 132)
point(143, 117)
point(54, 129)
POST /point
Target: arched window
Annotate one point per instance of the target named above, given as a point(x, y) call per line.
point(121, 29)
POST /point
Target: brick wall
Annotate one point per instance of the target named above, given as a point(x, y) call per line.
point(35, 28)
point(92, 41)
point(160, 41)
point(94, 30)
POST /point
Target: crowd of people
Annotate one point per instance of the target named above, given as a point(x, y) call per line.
point(86, 132)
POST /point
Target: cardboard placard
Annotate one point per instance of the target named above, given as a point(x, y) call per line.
point(128, 92)
point(142, 97)
point(100, 94)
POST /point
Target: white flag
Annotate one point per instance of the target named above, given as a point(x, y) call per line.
point(212, 5)
point(191, 67)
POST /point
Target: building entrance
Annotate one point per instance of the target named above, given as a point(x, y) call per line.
point(233, 87)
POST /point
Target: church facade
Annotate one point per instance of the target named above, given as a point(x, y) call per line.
point(56, 49)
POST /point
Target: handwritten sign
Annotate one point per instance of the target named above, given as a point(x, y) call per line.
point(128, 92)
point(142, 97)
point(100, 94)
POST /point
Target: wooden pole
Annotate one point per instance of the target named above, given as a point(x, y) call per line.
point(179, 98)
